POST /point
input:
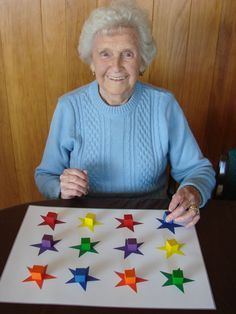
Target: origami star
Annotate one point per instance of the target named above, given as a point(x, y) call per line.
point(51, 220)
point(81, 277)
point(168, 225)
point(38, 274)
point(128, 222)
point(85, 246)
point(46, 244)
point(129, 278)
point(131, 246)
point(89, 221)
point(176, 279)
point(172, 247)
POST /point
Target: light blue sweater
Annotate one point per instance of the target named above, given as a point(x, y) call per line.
point(126, 148)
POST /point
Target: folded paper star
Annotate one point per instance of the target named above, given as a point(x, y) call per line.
point(128, 222)
point(51, 220)
point(89, 221)
point(85, 246)
point(46, 244)
point(172, 247)
point(129, 278)
point(81, 276)
point(38, 274)
point(131, 246)
point(176, 279)
point(168, 225)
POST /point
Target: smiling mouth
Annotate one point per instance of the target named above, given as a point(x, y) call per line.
point(117, 78)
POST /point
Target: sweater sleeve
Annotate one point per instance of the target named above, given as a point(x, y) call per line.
point(57, 151)
point(188, 165)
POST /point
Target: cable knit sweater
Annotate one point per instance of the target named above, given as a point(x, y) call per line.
point(125, 148)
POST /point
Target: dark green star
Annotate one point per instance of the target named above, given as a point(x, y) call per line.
point(176, 279)
point(85, 246)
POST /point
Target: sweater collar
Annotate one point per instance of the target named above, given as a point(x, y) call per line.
point(123, 109)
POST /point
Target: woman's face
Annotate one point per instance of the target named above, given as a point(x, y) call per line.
point(116, 62)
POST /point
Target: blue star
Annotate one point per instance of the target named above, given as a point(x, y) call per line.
point(81, 277)
point(167, 225)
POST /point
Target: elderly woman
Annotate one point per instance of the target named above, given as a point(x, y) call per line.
point(116, 135)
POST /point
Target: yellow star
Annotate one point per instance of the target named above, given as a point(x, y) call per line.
point(89, 221)
point(172, 247)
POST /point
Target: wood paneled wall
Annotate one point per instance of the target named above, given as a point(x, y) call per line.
point(196, 42)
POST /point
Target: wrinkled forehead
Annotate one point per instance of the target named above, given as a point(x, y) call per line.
point(118, 30)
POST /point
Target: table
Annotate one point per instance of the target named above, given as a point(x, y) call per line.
point(216, 231)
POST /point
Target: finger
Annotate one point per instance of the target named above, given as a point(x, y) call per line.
point(76, 172)
point(178, 211)
point(186, 216)
point(175, 201)
point(69, 193)
point(74, 187)
point(193, 222)
point(68, 178)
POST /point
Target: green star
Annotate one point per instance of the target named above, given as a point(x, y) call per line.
point(176, 279)
point(85, 246)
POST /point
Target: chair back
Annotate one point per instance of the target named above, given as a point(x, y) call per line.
point(226, 176)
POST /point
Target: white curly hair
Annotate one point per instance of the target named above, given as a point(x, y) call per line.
point(120, 14)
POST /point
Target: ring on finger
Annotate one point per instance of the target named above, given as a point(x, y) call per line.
point(195, 208)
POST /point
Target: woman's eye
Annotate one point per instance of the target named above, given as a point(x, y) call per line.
point(128, 54)
point(104, 54)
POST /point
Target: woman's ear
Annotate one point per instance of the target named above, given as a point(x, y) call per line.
point(92, 68)
point(142, 68)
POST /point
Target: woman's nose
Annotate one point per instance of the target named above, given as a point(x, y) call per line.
point(117, 63)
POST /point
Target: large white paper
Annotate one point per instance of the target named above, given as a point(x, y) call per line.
point(103, 265)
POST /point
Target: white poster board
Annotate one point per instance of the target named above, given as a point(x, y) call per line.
point(150, 263)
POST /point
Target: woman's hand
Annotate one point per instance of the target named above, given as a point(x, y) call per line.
point(74, 182)
point(184, 206)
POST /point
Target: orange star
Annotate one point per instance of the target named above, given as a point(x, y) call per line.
point(38, 274)
point(129, 278)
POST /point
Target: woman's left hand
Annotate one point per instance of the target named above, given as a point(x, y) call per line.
point(184, 206)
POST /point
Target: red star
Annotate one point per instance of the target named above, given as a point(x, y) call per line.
point(128, 222)
point(129, 278)
point(51, 220)
point(38, 274)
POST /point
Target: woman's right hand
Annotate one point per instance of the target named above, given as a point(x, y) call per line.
point(73, 182)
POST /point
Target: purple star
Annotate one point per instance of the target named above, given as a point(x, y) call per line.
point(131, 246)
point(46, 244)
